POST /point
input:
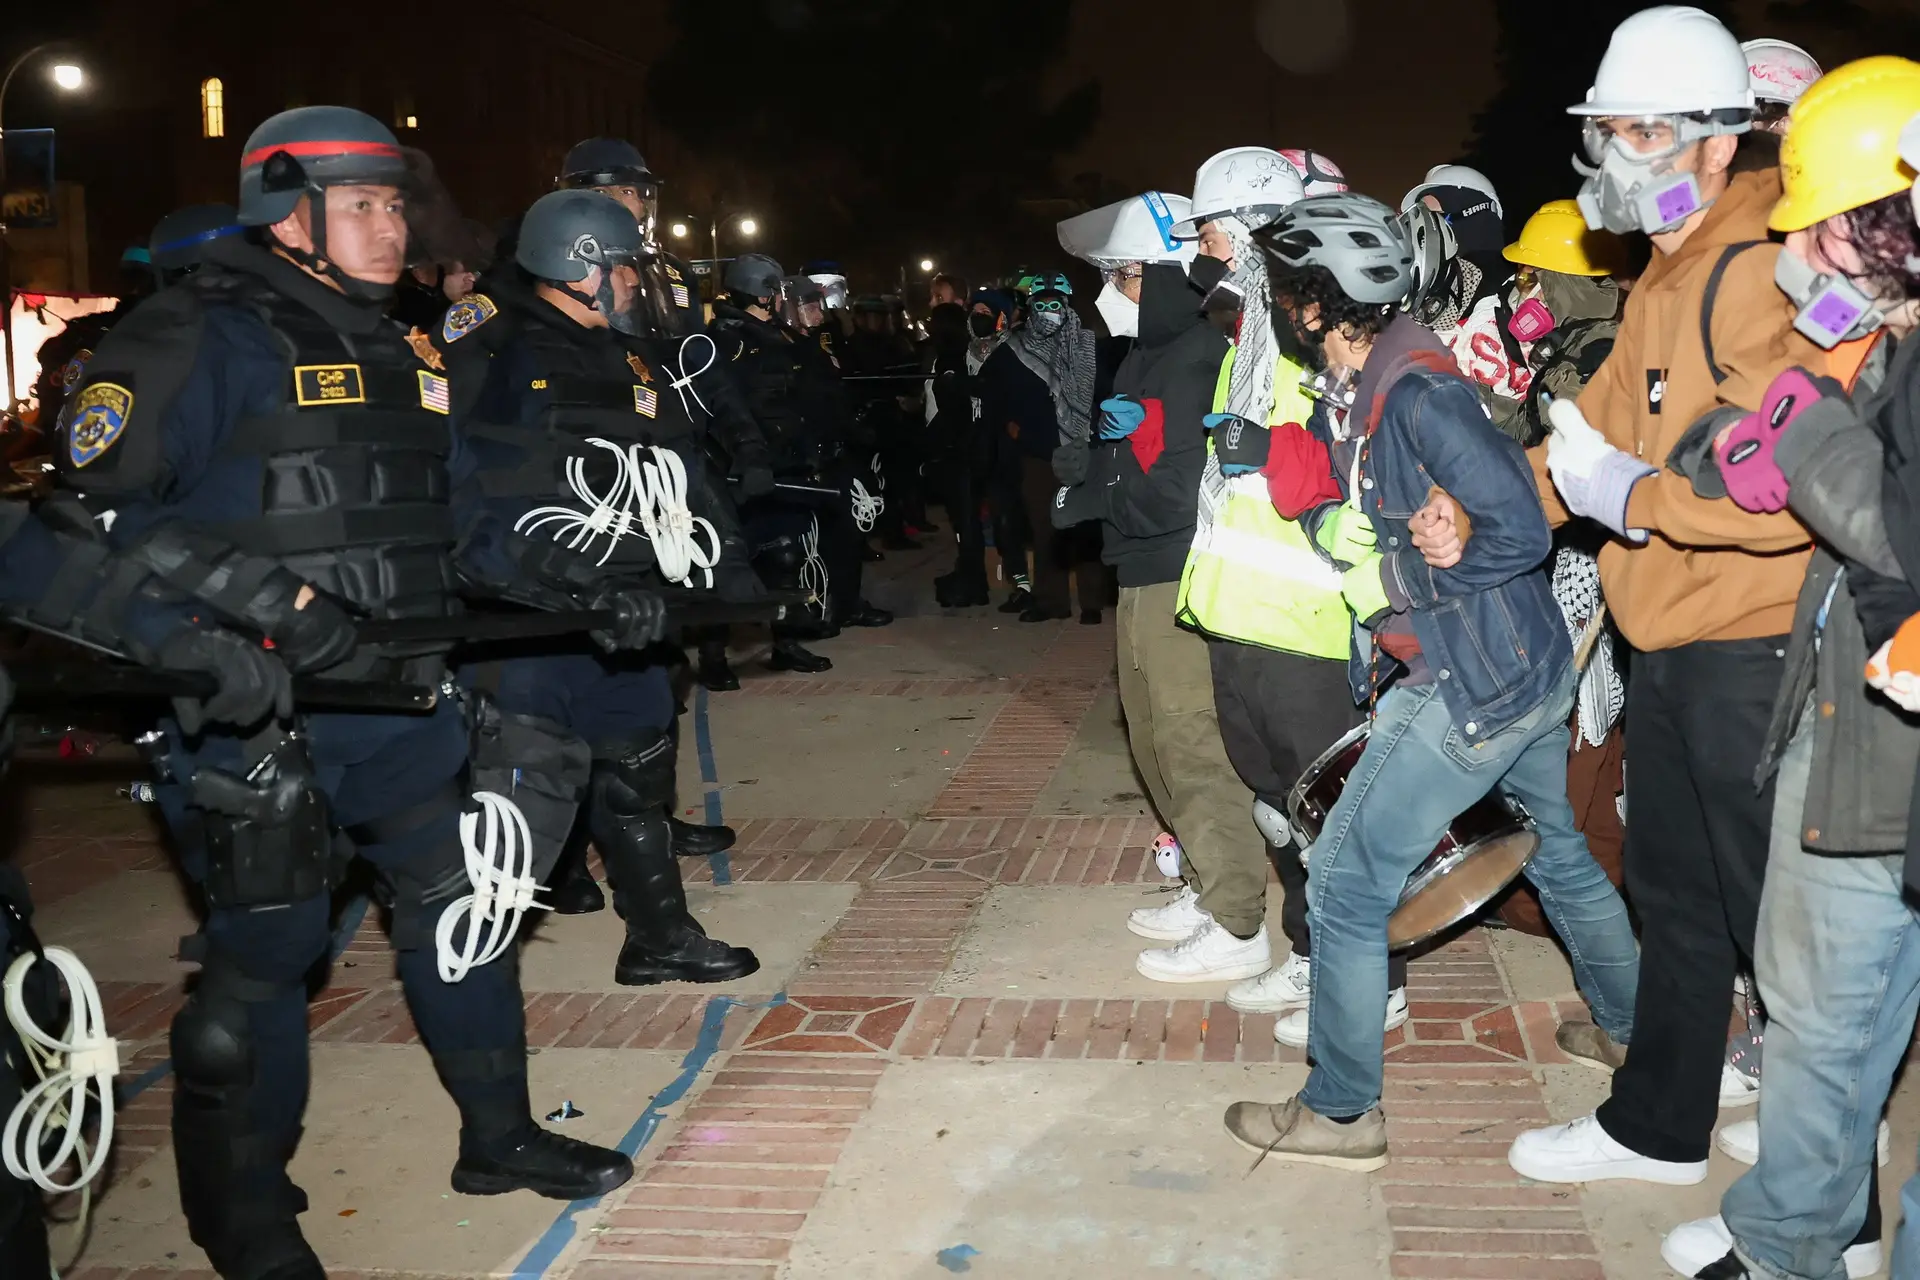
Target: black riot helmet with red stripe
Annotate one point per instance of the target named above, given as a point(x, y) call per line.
point(302, 152)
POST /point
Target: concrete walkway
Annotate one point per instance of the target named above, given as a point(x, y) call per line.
point(947, 1063)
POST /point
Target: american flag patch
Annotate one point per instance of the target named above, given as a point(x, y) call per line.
point(434, 393)
point(644, 401)
point(681, 298)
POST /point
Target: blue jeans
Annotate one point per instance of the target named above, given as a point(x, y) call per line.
point(1416, 775)
point(1837, 956)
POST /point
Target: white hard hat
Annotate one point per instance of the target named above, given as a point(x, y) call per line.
point(1318, 173)
point(1137, 229)
point(1254, 182)
point(1778, 71)
point(1671, 60)
point(1454, 175)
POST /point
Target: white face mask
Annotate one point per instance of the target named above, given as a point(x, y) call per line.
point(1121, 313)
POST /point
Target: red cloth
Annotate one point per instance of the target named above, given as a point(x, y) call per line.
point(1298, 471)
point(1149, 439)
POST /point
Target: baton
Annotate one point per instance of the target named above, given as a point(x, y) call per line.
point(888, 377)
point(815, 495)
point(45, 681)
point(478, 627)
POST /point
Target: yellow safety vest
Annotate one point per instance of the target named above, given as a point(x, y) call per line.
point(1252, 575)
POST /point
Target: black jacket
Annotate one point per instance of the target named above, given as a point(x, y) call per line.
point(1146, 488)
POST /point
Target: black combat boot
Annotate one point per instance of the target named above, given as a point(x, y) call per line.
point(714, 671)
point(541, 1161)
point(959, 590)
point(790, 655)
point(627, 812)
point(698, 840)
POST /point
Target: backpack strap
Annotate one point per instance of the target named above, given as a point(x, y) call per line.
point(1727, 255)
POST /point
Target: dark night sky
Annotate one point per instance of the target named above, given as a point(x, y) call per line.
point(1179, 84)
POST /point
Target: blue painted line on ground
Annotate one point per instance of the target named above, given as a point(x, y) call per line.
point(553, 1242)
point(133, 1088)
point(710, 779)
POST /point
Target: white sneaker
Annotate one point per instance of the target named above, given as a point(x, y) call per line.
point(1581, 1151)
point(1737, 1088)
point(1209, 954)
point(1692, 1247)
point(1292, 1029)
point(1174, 922)
point(1741, 1140)
point(1278, 990)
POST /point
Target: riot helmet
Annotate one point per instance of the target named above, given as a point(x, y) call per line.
point(302, 152)
point(752, 277)
point(568, 233)
point(178, 244)
point(616, 167)
point(802, 303)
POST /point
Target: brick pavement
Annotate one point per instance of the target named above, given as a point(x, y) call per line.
point(726, 1187)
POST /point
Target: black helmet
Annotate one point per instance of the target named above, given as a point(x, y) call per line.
point(754, 275)
point(304, 151)
point(605, 162)
point(568, 233)
point(180, 239)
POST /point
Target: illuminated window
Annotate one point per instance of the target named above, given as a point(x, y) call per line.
point(213, 108)
point(411, 122)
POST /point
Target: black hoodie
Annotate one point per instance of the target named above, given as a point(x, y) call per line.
point(1146, 488)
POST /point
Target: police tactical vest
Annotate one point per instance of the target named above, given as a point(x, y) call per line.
point(771, 367)
point(354, 487)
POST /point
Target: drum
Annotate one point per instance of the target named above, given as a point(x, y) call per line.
point(1481, 853)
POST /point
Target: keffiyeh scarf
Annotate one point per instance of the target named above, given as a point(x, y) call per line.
point(1064, 360)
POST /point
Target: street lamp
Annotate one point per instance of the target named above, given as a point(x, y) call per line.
point(926, 266)
point(678, 230)
point(66, 77)
point(748, 227)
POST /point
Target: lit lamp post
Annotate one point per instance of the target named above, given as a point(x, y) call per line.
point(67, 77)
point(744, 222)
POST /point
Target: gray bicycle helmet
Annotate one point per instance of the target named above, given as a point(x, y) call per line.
point(1355, 237)
point(1436, 261)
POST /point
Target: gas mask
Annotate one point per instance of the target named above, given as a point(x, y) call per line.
point(1531, 321)
point(1121, 313)
point(1833, 309)
point(1628, 190)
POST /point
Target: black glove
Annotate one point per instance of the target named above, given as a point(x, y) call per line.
point(310, 638)
point(1240, 445)
point(756, 480)
point(640, 618)
point(1070, 463)
point(250, 682)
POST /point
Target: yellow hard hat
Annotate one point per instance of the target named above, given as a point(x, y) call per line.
point(1842, 148)
point(1556, 238)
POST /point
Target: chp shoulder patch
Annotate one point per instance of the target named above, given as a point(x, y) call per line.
point(99, 416)
point(466, 315)
point(75, 369)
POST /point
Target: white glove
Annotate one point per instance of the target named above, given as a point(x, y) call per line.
point(1594, 478)
point(1901, 687)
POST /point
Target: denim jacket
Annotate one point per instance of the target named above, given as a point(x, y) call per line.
point(1489, 628)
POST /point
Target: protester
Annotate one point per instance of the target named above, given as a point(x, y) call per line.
point(1038, 391)
point(1142, 480)
point(1468, 670)
point(1701, 590)
point(970, 448)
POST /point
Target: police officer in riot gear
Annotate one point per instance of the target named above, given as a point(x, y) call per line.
point(267, 410)
point(564, 382)
point(766, 353)
point(615, 167)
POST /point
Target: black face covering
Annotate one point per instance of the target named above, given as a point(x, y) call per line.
point(1305, 346)
point(1206, 274)
point(981, 325)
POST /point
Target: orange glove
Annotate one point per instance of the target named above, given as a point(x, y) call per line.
point(1894, 669)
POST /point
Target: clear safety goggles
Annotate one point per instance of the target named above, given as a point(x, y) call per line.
point(1641, 139)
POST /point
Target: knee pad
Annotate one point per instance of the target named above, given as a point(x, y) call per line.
point(635, 776)
point(779, 560)
point(211, 1040)
point(266, 837)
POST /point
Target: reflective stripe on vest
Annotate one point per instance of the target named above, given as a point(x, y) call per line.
point(1252, 576)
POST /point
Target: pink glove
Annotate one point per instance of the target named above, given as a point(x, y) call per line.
point(1753, 478)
